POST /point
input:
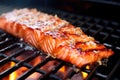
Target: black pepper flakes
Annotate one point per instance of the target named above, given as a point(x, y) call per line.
point(79, 49)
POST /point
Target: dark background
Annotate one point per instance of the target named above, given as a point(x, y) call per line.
point(108, 9)
point(101, 8)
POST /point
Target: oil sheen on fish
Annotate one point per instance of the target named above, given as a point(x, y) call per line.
point(54, 36)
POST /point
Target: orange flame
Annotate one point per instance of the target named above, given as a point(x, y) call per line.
point(62, 69)
point(85, 74)
point(13, 75)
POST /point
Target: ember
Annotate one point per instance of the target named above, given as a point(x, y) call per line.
point(13, 75)
point(62, 71)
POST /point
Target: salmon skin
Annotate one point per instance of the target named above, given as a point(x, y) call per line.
point(54, 36)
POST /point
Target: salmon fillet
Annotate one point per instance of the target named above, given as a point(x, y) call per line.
point(54, 36)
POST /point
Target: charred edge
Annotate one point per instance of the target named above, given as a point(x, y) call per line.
point(95, 50)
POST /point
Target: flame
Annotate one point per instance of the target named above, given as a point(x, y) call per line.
point(85, 74)
point(13, 75)
point(62, 69)
point(87, 67)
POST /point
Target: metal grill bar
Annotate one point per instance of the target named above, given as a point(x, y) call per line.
point(46, 76)
point(36, 69)
point(92, 73)
point(7, 59)
point(113, 70)
point(8, 47)
point(19, 64)
point(30, 71)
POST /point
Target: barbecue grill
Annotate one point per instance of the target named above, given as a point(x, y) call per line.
point(104, 31)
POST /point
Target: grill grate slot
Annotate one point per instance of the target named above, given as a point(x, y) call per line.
point(17, 53)
point(54, 70)
point(30, 71)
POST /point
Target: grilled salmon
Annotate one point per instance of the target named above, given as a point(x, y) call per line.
point(54, 36)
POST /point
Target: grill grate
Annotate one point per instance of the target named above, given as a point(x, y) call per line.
point(105, 31)
point(21, 48)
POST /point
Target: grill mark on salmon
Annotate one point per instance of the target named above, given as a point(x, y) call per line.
point(54, 36)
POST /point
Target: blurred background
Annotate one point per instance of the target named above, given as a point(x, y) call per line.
point(99, 8)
